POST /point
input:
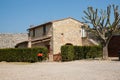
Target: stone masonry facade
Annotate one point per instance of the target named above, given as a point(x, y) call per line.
point(9, 40)
point(59, 32)
point(55, 34)
point(66, 31)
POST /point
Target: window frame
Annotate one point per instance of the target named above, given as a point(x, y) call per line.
point(44, 29)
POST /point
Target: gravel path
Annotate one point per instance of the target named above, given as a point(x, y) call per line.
point(76, 70)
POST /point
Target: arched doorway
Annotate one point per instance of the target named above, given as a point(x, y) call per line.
point(68, 44)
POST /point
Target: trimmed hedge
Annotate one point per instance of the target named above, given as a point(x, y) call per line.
point(80, 52)
point(22, 54)
point(95, 51)
point(67, 53)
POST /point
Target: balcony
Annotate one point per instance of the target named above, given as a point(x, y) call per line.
point(41, 39)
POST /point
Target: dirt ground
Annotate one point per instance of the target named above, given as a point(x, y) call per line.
point(75, 70)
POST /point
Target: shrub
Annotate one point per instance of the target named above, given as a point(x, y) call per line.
point(95, 51)
point(22, 55)
point(86, 49)
point(92, 53)
point(67, 53)
point(80, 52)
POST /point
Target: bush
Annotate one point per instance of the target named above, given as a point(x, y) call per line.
point(22, 55)
point(67, 53)
point(86, 49)
point(95, 51)
point(80, 52)
point(92, 53)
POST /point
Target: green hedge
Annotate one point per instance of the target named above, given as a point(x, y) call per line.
point(22, 55)
point(95, 51)
point(67, 53)
point(80, 52)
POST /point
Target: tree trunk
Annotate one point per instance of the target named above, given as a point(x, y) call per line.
point(105, 52)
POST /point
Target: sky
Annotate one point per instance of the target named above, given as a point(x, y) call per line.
point(16, 16)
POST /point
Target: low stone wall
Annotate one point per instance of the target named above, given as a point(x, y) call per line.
point(8, 40)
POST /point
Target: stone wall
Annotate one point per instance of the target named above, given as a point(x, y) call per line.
point(66, 31)
point(10, 40)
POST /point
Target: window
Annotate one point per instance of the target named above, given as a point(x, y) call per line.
point(83, 32)
point(62, 33)
point(29, 34)
point(44, 30)
point(33, 32)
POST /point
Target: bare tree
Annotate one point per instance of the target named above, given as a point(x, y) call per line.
point(103, 27)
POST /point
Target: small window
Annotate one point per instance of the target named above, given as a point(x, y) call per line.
point(62, 33)
point(83, 32)
point(33, 32)
point(29, 34)
point(44, 30)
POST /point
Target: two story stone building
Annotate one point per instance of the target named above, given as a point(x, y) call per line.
point(56, 33)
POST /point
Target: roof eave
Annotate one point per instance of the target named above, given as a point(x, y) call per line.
point(39, 25)
point(55, 21)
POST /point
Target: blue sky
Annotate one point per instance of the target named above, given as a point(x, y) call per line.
point(17, 15)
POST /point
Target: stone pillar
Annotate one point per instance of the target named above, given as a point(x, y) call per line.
point(29, 43)
point(50, 57)
point(51, 51)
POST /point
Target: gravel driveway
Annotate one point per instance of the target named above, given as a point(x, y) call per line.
point(76, 70)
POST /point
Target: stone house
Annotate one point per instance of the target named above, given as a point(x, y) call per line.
point(56, 33)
